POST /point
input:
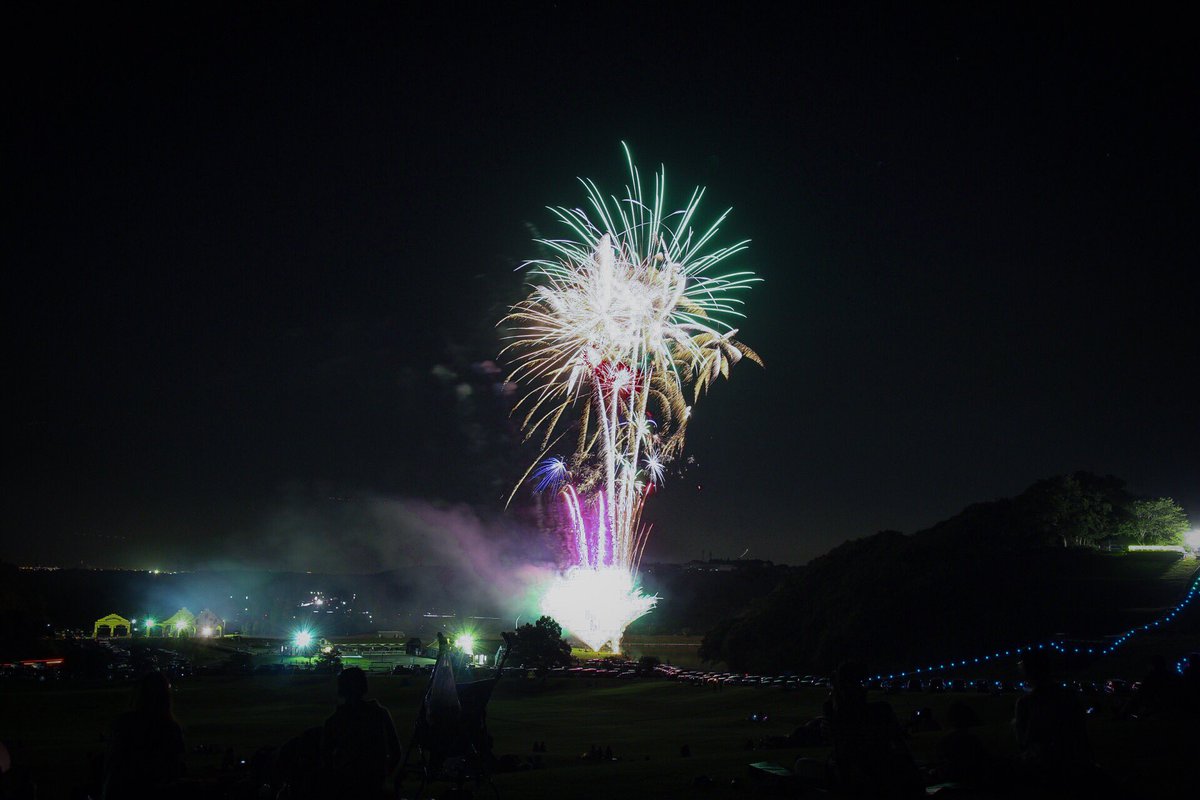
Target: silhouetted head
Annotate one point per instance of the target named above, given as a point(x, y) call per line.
point(153, 695)
point(847, 684)
point(961, 716)
point(1036, 665)
point(352, 684)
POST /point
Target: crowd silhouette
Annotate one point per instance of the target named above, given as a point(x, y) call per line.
point(357, 753)
point(1054, 757)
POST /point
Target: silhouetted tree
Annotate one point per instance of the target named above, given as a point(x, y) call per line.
point(540, 646)
point(1074, 510)
point(712, 646)
point(1159, 521)
point(329, 658)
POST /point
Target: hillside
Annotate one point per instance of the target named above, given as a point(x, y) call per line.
point(970, 584)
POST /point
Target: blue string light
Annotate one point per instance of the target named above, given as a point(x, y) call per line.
point(1060, 647)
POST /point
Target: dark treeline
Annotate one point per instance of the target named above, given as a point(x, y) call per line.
point(694, 599)
point(1004, 572)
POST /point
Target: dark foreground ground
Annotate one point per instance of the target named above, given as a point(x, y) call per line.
point(56, 726)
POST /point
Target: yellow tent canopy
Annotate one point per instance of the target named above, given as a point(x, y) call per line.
point(111, 624)
point(181, 623)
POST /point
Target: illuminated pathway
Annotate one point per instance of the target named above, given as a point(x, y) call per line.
point(1053, 645)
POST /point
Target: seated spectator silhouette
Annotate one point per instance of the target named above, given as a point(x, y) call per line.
point(297, 767)
point(961, 755)
point(145, 748)
point(921, 720)
point(359, 747)
point(869, 755)
point(1051, 735)
point(1160, 690)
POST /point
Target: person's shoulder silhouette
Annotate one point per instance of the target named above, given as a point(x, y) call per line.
point(1050, 726)
point(145, 751)
point(358, 741)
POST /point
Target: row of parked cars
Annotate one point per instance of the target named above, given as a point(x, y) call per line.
point(703, 678)
point(90, 660)
point(1113, 686)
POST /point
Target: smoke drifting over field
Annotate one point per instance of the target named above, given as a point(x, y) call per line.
point(433, 551)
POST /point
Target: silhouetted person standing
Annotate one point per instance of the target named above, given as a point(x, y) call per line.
point(961, 755)
point(359, 747)
point(1050, 728)
point(869, 755)
point(145, 753)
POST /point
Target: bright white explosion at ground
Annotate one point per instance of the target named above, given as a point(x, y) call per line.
point(625, 328)
point(596, 603)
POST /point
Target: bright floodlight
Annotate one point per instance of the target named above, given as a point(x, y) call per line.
point(206, 631)
point(1193, 539)
point(466, 643)
point(180, 625)
point(302, 639)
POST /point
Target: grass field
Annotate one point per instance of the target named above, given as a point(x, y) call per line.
point(645, 722)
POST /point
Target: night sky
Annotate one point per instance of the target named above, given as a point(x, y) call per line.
point(253, 256)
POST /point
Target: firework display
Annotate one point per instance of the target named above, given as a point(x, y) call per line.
point(624, 329)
